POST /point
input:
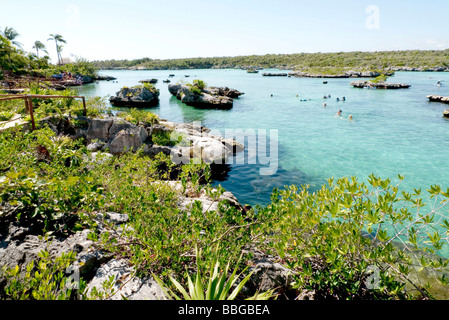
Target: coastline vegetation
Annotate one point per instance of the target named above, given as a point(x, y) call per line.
point(330, 63)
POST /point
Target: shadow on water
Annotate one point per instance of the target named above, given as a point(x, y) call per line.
point(250, 186)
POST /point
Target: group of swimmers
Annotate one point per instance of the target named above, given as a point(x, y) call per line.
point(325, 105)
point(339, 111)
point(339, 114)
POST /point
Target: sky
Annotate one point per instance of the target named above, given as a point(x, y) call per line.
point(132, 29)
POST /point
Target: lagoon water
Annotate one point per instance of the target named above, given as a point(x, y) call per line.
point(393, 131)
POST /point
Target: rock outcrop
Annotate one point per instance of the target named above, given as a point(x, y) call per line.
point(148, 81)
point(199, 143)
point(379, 85)
point(136, 97)
point(212, 97)
point(267, 74)
point(104, 77)
point(420, 69)
point(20, 245)
point(346, 74)
point(436, 98)
point(115, 134)
point(446, 113)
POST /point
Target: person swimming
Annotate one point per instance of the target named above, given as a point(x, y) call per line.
point(324, 105)
point(350, 117)
point(339, 113)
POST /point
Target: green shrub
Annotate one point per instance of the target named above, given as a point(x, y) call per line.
point(334, 236)
point(47, 279)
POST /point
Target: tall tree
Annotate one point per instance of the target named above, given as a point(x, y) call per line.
point(39, 46)
point(11, 34)
point(57, 38)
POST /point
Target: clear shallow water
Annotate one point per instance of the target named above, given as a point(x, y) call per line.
point(393, 131)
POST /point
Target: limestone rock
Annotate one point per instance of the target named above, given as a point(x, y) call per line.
point(379, 85)
point(99, 129)
point(436, 98)
point(126, 285)
point(130, 139)
point(136, 97)
point(212, 97)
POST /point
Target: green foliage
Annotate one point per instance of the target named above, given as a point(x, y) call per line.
point(47, 279)
point(139, 117)
point(168, 138)
point(200, 84)
point(332, 237)
point(380, 79)
point(6, 115)
point(95, 106)
point(218, 286)
point(197, 86)
point(80, 66)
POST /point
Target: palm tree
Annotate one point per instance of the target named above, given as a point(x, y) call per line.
point(11, 34)
point(57, 38)
point(39, 46)
point(7, 42)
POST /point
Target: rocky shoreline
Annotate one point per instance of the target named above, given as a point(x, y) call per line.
point(21, 243)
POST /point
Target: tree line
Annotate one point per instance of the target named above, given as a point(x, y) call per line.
point(356, 59)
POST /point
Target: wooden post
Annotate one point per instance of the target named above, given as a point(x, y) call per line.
point(84, 105)
point(30, 105)
point(27, 107)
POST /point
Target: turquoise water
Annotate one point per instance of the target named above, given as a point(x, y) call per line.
point(393, 131)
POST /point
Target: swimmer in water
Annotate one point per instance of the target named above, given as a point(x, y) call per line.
point(339, 113)
point(350, 117)
point(324, 105)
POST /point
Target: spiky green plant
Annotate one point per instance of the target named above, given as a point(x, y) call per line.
point(219, 286)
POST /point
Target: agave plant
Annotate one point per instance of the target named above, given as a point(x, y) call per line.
point(219, 286)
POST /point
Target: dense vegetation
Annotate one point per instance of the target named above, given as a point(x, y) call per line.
point(303, 61)
point(15, 61)
point(349, 240)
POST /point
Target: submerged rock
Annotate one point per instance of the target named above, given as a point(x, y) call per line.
point(136, 97)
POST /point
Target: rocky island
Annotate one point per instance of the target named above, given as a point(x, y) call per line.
point(379, 85)
point(201, 96)
point(436, 98)
point(267, 74)
point(137, 97)
point(338, 74)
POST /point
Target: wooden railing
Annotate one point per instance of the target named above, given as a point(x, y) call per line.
point(29, 103)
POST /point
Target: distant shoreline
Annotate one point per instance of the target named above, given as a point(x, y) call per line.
point(325, 64)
